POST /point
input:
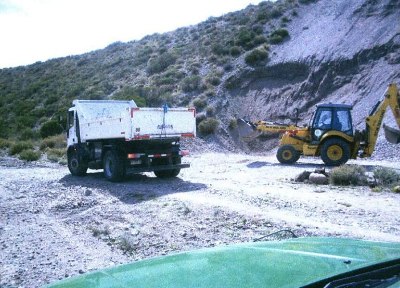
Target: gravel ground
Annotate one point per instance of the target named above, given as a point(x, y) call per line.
point(54, 225)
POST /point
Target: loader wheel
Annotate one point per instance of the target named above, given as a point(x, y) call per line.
point(76, 165)
point(335, 152)
point(114, 166)
point(287, 154)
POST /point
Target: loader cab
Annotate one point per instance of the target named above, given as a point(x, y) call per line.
point(331, 117)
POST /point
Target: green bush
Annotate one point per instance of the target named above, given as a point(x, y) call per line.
point(278, 36)
point(50, 128)
point(56, 154)
point(235, 51)
point(5, 143)
point(18, 147)
point(233, 124)
point(386, 176)
point(199, 103)
point(191, 83)
point(348, 175)
point(29, 155)
point(256, 56)
point(208, 126)
point(160, 63)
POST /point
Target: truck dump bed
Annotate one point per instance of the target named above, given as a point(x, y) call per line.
point(106, 119)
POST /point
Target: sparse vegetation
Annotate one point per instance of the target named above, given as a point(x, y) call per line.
point(50, 128)
point(208, 126)
point(5, 143)
point(18, 147)
point(387, 176)
point(29, 155)
point(346, 175)
point(279, 36)
point(256, 56)
point(199, 103)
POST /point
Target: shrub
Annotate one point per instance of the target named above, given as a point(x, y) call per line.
point(50, 128)
point(4, 143)
point(29, 155)
point(254, 57)
point(210, 111)
point(27, 134)
point(208, 126)
point(235, 51)
point(18, 147)
point(233, 124)
point(348, 175)
point(160, 63)
point(386, 176)
point(199, 103)
point(191, 83)
point(56, 155)
point(57, 141)
point(278, 36)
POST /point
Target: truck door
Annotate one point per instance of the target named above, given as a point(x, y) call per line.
point(71, 130)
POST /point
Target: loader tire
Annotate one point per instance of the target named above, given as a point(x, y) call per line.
point(114, 166)
point(287, 154)
point(76, 165)
point(335, 152)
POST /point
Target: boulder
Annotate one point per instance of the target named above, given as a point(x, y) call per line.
point(319, 179)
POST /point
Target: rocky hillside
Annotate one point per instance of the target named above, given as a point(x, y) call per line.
point(261, 62)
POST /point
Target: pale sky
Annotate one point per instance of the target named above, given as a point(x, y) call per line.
point(38, 30)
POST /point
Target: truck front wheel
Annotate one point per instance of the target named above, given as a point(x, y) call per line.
point(114, 166)
point(76, 165)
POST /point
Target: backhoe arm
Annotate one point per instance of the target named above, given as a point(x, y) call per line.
point(374, 120)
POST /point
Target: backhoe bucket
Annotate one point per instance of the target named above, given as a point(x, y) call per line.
point(392, 135)
point(246, 130)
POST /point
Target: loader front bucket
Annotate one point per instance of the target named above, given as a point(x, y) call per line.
point(392, 135)
point(246, 130)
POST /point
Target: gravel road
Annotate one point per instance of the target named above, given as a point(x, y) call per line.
point(54, 225)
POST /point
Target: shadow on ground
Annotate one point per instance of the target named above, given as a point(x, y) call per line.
point(260, 164)
point(136, 188)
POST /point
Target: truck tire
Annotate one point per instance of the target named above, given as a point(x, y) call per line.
point(169, 173)
point(335, 152)
point(76, 165)
point(114, 166)
point(287, 154)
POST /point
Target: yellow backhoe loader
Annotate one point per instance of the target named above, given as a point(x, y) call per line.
point(330, 134)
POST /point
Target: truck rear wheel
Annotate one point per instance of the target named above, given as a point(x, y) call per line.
point(335, 152)
point(114, 166)
point(169, 173)
point(76, 165)
point(287, 154)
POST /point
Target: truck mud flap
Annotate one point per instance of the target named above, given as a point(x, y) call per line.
point(392, 135)
point(156, 168)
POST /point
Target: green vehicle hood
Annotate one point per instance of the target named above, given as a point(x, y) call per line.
point(289, 263)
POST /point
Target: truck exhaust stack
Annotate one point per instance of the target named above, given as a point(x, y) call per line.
point(392, 135)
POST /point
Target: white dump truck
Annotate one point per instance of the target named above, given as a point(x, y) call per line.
point(121, 138)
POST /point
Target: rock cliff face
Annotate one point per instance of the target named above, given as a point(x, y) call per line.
point(339, 51)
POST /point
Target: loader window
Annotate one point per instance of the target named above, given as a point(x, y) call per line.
point(323, 119)
point(342, 121)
